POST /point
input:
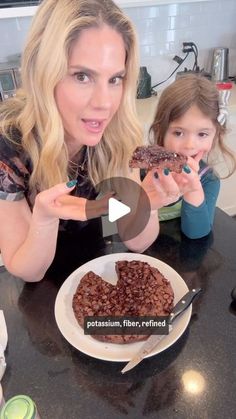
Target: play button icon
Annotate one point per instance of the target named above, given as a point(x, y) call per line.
point(117, 210)
point(127, 204)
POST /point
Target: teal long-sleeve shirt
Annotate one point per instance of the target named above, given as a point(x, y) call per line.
point(196, 222)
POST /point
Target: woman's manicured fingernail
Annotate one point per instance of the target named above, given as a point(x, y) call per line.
point(186, 169)
point(166, 171)
point(71, 183)
point(156, 175)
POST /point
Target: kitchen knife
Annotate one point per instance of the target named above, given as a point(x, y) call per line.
point(153, 340)
point(3, 343)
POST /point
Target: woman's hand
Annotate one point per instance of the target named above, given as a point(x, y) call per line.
point(83, 209)
point(56, 203)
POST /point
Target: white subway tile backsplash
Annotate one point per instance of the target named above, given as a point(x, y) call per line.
point(173, 9)
point(211, 6)
point(226, 4)
point(170, 36)
point(148, 25)
point(147, 38)
point(209, 24)
point(190, 8)
point(171, 48)
point(133, 13)
point(168, 10)
point(146, 51)
point(13, 32)
point(149, 12)
point(196, 21)
point(161, 29)
point(232, 41)
point(177, 22)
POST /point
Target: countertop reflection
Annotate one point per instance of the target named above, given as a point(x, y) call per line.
point(194, 378)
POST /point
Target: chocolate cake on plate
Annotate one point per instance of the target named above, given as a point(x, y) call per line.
point(141, 290)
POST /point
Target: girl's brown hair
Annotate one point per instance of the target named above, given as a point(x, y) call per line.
point(175, 101)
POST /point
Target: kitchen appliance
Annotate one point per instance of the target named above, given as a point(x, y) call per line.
point(145, 85)
point(220, 64)
point(185, 72)
point(190, 47)
point(9, 80)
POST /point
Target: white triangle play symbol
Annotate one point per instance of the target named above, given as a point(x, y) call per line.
point(116, 210)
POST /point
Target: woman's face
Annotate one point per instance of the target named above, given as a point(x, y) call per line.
point(191, 133)
point(91, 92)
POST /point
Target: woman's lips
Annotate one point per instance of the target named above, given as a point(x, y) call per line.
point(94, 125)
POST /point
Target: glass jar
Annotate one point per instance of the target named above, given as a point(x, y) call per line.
point(19, 407)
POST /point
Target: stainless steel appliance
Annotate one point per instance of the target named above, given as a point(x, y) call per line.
point(145, 84)
point(220, 64)
point(9, 80)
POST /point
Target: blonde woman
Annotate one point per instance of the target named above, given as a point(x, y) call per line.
point(71, 125)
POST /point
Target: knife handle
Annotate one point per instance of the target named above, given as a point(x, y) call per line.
point(184, 303)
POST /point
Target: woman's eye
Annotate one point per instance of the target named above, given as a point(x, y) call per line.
point(81, 77)
point(117, 80)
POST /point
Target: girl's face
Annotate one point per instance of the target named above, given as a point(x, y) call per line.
point(190, 134)
point(91, 92)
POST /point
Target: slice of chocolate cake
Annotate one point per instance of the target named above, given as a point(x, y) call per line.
point(154, 156)
point(141, 290)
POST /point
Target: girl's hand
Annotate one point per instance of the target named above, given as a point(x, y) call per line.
point(165, 188)
point(161, 188)
point(189, 180)
point(195, 195)
point(56, 203)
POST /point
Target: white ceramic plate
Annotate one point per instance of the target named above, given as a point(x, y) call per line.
point(105, 267)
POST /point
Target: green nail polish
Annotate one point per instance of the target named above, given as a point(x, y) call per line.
point(71, 183)
point(186, 169)
point(156, 175)
point(166, 171)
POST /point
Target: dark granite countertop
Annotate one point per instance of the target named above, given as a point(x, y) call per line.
point(194, 379)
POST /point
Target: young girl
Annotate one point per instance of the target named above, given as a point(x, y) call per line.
point(71, 125)
point(191, 119)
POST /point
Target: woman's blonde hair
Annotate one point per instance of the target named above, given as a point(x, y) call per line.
point(177, 98)
point(33, 112)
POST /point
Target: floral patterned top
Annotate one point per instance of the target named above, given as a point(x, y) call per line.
point(15, 171)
